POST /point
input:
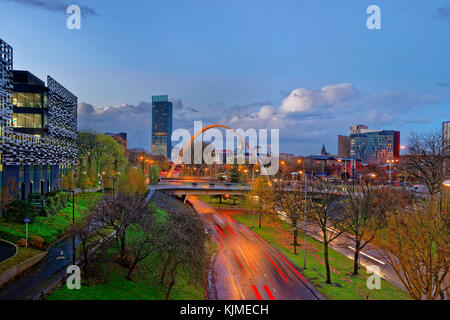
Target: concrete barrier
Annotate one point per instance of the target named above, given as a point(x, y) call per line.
point(21, 267)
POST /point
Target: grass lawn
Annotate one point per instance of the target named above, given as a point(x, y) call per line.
point(345, 286)
point(22, 255)
point(49, 228)
point(226, 203)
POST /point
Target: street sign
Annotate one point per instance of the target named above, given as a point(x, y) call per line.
point(27, 220)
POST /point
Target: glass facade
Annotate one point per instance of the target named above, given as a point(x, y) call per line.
point(161, 126)
point(27, 100)
point(375, 147)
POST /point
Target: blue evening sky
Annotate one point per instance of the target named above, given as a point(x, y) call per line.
point(218, 59)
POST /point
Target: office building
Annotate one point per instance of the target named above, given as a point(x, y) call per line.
point(120, 137)
point(374, 146)
point(161, 126)
point(38, 130)
point(446, 137)
point(343, 146)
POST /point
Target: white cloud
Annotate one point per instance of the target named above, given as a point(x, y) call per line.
point(302, 100)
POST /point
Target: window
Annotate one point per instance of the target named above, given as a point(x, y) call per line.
point(29, 100)
point(37, 121)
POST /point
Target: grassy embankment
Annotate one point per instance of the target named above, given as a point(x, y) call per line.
point(110, 281)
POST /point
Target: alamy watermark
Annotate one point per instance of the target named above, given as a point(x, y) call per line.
point(374, 281)
point(74, 20)
point(251, 142)
point(374, 20)
point(74, 279)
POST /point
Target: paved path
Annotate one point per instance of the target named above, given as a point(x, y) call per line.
point(246, 266)
point(7, 250)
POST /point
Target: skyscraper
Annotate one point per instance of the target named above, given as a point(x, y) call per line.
point(161, 126)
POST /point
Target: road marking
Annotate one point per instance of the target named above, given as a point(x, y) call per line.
point(243, 270)
point(231, 230)
point(370, 257)
point(279, 270)
point(236, 283)
point(220, 231)
point(258, 296)
point(295, 270)
point(268, 292)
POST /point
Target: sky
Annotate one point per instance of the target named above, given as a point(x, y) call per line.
point(310, 68)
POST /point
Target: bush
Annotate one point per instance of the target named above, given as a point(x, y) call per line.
point(11, 234)
point(34, 197)
point(17, 210)
point(21, 242)
point(37, 242)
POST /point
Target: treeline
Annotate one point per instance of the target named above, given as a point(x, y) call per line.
point(410, 232)
point(102, 161)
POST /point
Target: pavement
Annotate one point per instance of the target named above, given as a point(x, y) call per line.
point(246, 267)
point(7, 250)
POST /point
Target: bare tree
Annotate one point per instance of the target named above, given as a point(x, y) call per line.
point(120, 213)
point(183, 247)
point(321, 214)
point(417, 247)
point(427, 160)
point(290, 200)
point(364, 214)
point(143, 239)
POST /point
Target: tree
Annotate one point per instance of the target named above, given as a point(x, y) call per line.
point(427, 160)
point(235, 176)
point(416, 246)
point(132, 181)
point(261, 197)
point(120, 213)
point(322, 214)
point(143, 238)
point(290, 200)
point(364, 214)
point(84, 230)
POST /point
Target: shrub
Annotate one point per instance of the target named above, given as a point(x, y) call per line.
point(37, 242)
point(17, 210)
point(34, 197)
point(10, 233)
point(21, 243)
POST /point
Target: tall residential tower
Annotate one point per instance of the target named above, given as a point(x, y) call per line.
point(161, 126)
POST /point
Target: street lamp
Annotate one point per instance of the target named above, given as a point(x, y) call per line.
point(74, 253)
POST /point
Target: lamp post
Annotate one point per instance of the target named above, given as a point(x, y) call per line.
point(404, 174)
point(304, 255)
point(74, 253)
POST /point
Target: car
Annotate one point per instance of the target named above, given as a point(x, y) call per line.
point(212, 184)
point(194, 184)
point(419, 188)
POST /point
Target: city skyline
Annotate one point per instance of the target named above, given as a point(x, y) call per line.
point(269, 74)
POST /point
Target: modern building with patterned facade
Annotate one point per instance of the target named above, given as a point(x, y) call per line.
point(161, 126)
point(38, 130)
point(374, 146)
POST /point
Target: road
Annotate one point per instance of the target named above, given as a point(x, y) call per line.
point(247, 267)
